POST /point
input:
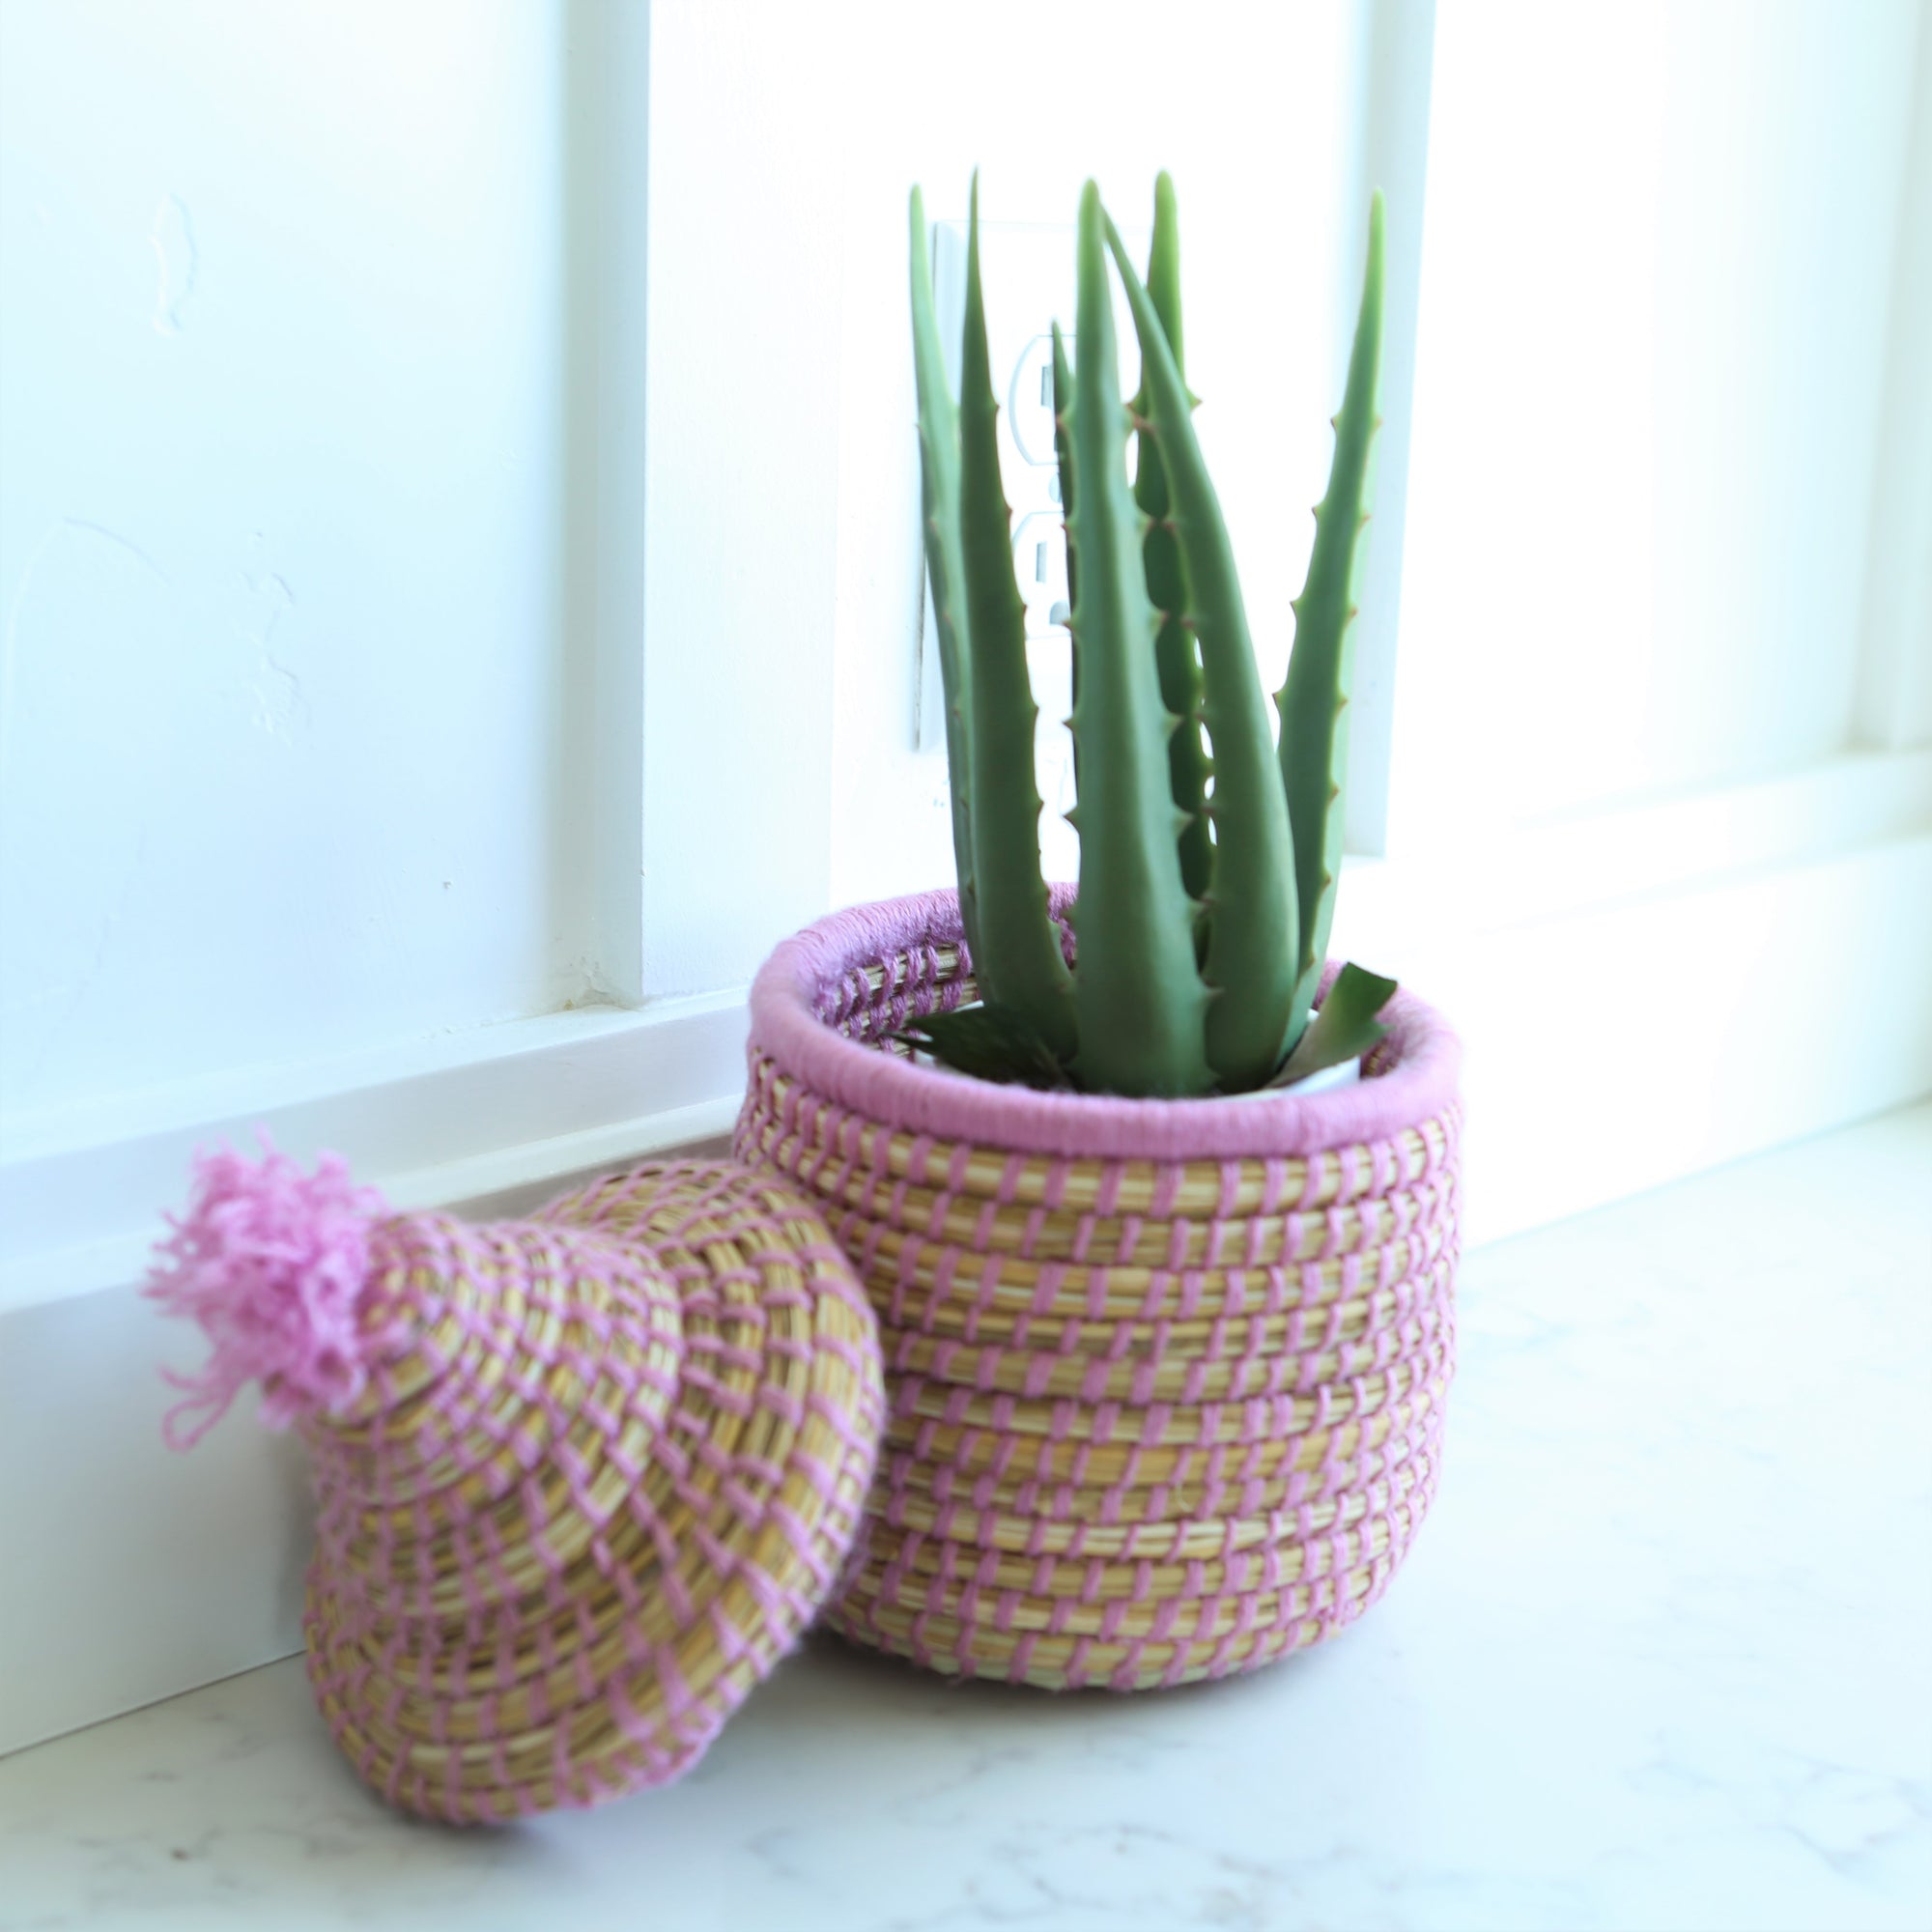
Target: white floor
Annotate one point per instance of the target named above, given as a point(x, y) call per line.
point(1662, 1659)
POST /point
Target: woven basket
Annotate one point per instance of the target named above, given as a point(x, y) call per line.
point(583, 1478)
point(1165, 1379)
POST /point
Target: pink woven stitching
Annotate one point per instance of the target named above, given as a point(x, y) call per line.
point(568, 1277)
point(1329, 1313)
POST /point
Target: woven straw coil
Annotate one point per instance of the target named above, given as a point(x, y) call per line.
point(1150, 1419)
point(602, 1469)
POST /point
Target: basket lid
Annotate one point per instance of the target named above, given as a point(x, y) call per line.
point(582, 1480)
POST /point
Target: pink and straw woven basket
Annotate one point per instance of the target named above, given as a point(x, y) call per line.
point(581, 1479)
point(1165, 1379)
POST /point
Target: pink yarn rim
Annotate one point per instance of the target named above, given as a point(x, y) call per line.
point(1417, 1084)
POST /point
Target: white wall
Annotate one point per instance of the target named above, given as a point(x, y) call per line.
point(1657, 276)
point(280, 521)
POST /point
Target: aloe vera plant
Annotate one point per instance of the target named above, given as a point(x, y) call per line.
point(1209, 853)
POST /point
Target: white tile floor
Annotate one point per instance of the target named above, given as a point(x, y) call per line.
point(1662, 1658)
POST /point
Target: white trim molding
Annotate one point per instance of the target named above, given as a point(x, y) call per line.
point(509, 1107)
point(1895, 686)
point(1398, 52)
point(1653, 989)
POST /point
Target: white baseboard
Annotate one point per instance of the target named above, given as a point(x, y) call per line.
point(81, 1194)
point(1615, 1052)
point(1767, 982)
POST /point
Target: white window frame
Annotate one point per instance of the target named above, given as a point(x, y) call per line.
point(1659, 984)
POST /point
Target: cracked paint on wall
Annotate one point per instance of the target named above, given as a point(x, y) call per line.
point(280, 529)
point(280, 702)
point(171, 236)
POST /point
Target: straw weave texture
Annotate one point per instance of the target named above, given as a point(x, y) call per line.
point(1148, 1420)
point(606, 1471)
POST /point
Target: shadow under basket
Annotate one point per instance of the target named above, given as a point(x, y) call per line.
point(1165, 1378)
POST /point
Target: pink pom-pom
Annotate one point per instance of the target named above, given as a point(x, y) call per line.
point(272, 1262)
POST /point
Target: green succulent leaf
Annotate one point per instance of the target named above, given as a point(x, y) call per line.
point(940, 525)
point(1202, 921)
point(1251, 931)
point(1313, 700)
point(990, 1043)
point(1062, 453)
point(1345, 1026)
point(1017, 957)
point(1063, 447)
point(1177, 652)
point(1140, 999)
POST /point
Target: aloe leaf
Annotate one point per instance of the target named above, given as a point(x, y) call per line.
point(939, 519)
point(1251, 937)
point(1345, 1026)
point(1141, 1001)
point(989, 1042)
point(1018, 960)
point(1063, 450)
point(1320, 668)
point(1176, 653)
